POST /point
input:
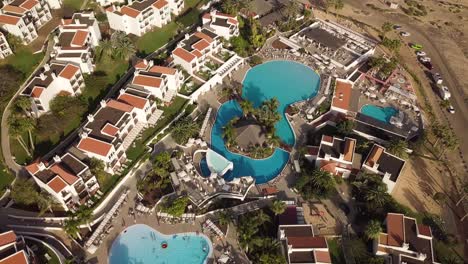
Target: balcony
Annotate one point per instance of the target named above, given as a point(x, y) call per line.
point(79, 187)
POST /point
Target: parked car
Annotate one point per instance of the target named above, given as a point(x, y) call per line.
point(405, 34)
point(437, 78)
point(451, 109)
point(428, 65)
point(420, 53)
point(424, 59)
point(444, 92)
point(397, 27)
point(416, 46)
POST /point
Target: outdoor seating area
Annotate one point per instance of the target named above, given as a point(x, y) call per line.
point(188, 218)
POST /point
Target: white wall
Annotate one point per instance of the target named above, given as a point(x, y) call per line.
point(54, 4)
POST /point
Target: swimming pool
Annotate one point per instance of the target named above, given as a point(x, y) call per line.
point(287, 81)
point(380, 113)
point(144, 245)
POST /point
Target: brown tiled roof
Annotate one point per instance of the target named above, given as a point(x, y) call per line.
point(374, 155)
point(110, 129)
point(224, 14)
point(7, 238)
point(233, 21)
point(307, 242)
point(201, 45)
point(322, 256)
point(57, 184)
point(150, 81)
point(133, 100)
point(94, 146)
point(10, 20)
point(328, 139)
point(342, 97)
point(163, 70)
point(160, 4)
point(183, 54)
point(395, 229)
point(328, 166)
point(37, 91)
point(207, 15)
point(32, 168)
point(65, 175)
point(80, 38)
point(383, 239)
point(119, 105)
point(29, 4)
point(349, 149)
point(312, 150)
point(297, 230)
point(14, 9)
point(203, 36)
point(424, 230)
point(129, 11)
point(69, 71)
point(141, 65)
point(17, 258)
point(197, 53)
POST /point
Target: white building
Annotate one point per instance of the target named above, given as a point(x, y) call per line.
point(55, 78)
point(23, 18)
point(5, 49)
point(139, 17)
point(380, 162)
point(191, 53)
point(110, 131)
point(334, 155)
point(159, 81)
point(223, 25)
point(76, 40)
point(109, 2)
point(13, 249)
point(65, 178)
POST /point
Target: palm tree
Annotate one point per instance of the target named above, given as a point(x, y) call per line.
point(373, 229)
point(183, 130)
point(224, 218)
point(451, 142)
point(274, 141)
point(72, 229)
point(23, 103)
point(247, 107)
point(17, 127)
point(122, 45)
point(84, 215)
point(261, 217)
point(105, 48)
point(377, 197)
point(278, 207)
point(45, 202)
point(229, 133)
point(398, 148)
point(322, 180)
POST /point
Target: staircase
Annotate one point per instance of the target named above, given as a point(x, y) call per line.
point(169, 95)
point(132, 135)
point(155, 117)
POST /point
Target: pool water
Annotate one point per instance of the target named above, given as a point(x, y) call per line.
point(383, 114)
point(287, 81)
point(143, 245)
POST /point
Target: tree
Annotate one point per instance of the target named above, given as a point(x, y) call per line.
point(255, 60)
point(398, 148)
point(373, 229)
point(229, 133)
point(450, 141)
point(445, 104)
point(18, 125)
point(65, 104)
point(184, 129)
point(84, 215)
point(316, 183)
point(386, 27)
point(163, 160)
point(23, 103)
point(105, 48)
point(15, 42)
point(177, 207)
point(261, 217)
point(45, 202)
point(224, 218)
point(346, 127)
point(440, 131)
point(278, 207)
point(119, 46)
point(377, 62)
point(24, 192)
point(392, 44)
point(233, 7)
point(247, 107)
point(71, 228)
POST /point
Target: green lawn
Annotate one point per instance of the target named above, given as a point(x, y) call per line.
point(24, 60)
point(189, 18)
point(336, 253)
point(156, 38)
point(73, 4)
point(41, 251)
point(5, 178)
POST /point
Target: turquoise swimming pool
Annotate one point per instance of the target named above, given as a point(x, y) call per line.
point(380, 113)
point(289, 82)
point(144, 245)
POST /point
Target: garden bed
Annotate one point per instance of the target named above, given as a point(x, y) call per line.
point(190, 86)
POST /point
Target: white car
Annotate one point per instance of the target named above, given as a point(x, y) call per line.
point(425, 59)
point(420, 53)
point(451, 109)
point(405, 34)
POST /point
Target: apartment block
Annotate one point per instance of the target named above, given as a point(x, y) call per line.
point(380, 162)
point(159, 81)
point(54, 78)
point(405, 241)
point(77, 37)
point(13, 249)
point(224, 25)
point(5, 49)
point(66, 178)
point(191, 53)
point(139, 17)
point(297, 239)
point(111, 130)
point(23, 18)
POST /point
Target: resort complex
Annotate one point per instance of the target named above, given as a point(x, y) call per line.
point(177, 131)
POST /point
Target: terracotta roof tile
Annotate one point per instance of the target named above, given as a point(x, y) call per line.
point(383, 239)
point(328, 139)
point(17, 258)
point(32, 168)
point(307, 242)
point(207, 15)
point(201, 45)
point(66, 176)
point(57, 184)
point(233, 21)
point(203, 36)
point(69, 71)
point(312, 150)
point(141, 65)
point(133, 100)
point(322, 256)
point(7, 238)
point(79, 39)
point(119, 105)
point(66, 21)
point(183, 54)
point(147, 81)
point(10, 20)
point(28, 4)
point(424, 230)
point(197, 53)
point(160, 4)
point(14, 9)
point(342, 97)
point(110, 129)
point(374, 155)
point(349, 149)
point(37, 91)
point(395, 229)
point(129, 11)
point(95, 146)
point(163, 70)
